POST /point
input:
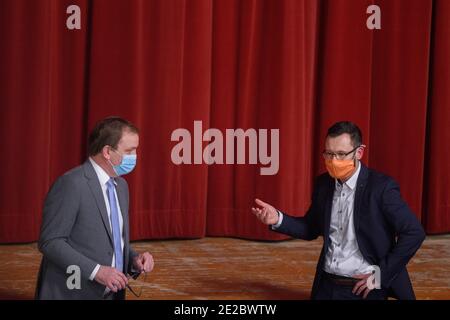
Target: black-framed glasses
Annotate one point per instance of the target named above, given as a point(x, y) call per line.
point(339, 155)
point(135, 283)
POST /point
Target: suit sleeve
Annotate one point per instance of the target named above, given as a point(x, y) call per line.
point(131, 255)
point(408, 229)
point(59, 215)
point(307, 227)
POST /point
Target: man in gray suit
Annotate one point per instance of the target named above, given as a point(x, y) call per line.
point(85, 226)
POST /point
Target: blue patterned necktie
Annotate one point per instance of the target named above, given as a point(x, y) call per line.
point(114, 216)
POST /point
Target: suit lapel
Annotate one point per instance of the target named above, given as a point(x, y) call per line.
point(360, 187)
point(123, 203)
point(96, 190)
point(122, 195)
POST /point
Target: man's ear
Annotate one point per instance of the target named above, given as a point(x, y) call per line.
point(106, 152)
point(360, 152)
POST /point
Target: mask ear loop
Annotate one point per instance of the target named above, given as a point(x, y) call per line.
point(109, 161)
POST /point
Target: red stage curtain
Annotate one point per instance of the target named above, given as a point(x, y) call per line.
point(436, 206)
point(294, 65)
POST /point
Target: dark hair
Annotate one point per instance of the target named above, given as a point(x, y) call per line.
point(108, 132)
point(346, 127)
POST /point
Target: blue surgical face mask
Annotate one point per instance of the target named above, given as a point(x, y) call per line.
point(126, 165)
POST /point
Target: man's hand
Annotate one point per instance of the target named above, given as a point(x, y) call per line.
point(266, 214)
point(112, 278)
point(361, 286)
point(143, 262)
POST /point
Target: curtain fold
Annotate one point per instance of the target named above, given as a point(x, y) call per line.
point(293, 65)
point(436, 207)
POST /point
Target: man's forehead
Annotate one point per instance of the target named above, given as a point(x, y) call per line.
point(129, 139)
point(341, 141)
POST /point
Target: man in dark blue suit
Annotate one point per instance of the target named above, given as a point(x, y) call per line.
point(369, 232)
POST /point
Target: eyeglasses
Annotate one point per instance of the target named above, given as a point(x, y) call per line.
point(338, 155)
point(135, 283)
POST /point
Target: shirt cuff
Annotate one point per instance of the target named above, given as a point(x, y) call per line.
point(375, 270)
point(280, 221)
point(94, 272)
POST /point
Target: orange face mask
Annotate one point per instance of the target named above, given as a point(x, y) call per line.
point(340, 169)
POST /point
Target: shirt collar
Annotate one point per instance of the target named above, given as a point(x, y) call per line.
point(103, 177)
point(351, 182)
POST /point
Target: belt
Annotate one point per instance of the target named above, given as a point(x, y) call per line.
point(340, 280)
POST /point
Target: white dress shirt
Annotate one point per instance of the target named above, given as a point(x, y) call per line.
point(343, 256)
point(103, 177)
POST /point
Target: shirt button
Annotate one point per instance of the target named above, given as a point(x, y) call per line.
point(340, 211)
point(343, 194)
point(340, 228)
point(334, 260)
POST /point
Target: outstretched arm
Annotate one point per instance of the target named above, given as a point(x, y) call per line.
point(304, 228)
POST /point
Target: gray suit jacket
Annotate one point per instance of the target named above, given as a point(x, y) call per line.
point(75, 231)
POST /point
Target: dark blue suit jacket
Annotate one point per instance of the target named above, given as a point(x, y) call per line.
point(388, 233)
